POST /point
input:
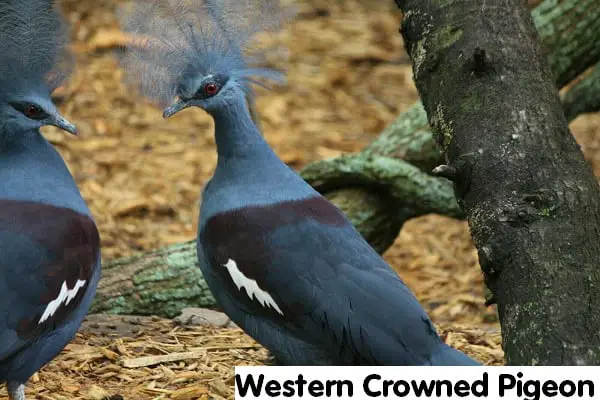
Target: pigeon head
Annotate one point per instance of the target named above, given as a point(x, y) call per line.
point(187, 53)
point(33, 63)
point(29, 111)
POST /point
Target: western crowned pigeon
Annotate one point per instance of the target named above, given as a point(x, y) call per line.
point(284, 263)
point(50, 254)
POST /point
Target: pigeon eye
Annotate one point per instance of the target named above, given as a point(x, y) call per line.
point(34, 112)
point(211, 88)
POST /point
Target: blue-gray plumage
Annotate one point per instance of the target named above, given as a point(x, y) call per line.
point(284, 263)
point(50, 255)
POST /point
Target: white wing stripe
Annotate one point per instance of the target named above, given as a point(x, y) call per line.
point(252, 288)
point(65, 296)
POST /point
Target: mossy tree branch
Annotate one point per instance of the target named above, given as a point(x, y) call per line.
point(161, 282)
point(584, 96)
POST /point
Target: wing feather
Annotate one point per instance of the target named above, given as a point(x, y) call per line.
point(43, 249)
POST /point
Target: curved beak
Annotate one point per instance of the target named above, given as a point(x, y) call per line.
point(175, 108)
point(61, 122)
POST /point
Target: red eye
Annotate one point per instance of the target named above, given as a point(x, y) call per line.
point(211, 89)
point(33, 111)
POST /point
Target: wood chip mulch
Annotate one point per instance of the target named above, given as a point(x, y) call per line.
point(348, 77)
point(143, 358)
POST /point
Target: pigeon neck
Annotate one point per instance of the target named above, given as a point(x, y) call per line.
point(236, 135)
point(31, 169)
point(248, 170)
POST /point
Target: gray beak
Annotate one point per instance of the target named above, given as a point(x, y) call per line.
point(175, 108)
point(60, 122)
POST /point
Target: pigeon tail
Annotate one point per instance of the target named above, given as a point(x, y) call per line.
point(449, 356)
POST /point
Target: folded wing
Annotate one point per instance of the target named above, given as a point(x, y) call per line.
point(302, 265)
point(47, 260)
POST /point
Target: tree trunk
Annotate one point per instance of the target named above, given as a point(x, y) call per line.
point(531, 199)
point(379, 188)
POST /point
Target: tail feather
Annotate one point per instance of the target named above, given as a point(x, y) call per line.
point(448, 356)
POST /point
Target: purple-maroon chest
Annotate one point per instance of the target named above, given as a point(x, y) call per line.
point(243, 234)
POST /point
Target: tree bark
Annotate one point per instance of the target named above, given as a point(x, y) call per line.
point(379, 189)
point(531, 199)
point(161, 282)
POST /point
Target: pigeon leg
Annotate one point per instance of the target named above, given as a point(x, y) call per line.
point(16, 391)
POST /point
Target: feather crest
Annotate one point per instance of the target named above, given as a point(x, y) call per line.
point(33, 44)
point(176, 40)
